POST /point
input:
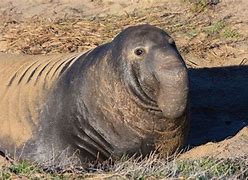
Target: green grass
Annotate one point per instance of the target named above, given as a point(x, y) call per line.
point(210, 168)
point(197, 5)
point(151, 167)
point(215, 28)
point(229, 33)
point(221, 29)
point(22, 169)
point(192, 33)
point(26, 170)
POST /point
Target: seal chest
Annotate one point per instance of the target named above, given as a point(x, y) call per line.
point(128, 96)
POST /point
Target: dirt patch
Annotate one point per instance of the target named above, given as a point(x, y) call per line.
point(4, 162)
point(233, 148)
point(22, 9)
point(208, 36)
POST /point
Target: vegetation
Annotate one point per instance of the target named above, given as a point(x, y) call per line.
point(215, 28)
point(148, 168)
point(230, 33)
point(198, 6)
point(221, 29)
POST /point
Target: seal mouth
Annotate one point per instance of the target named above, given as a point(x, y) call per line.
point(141, 97)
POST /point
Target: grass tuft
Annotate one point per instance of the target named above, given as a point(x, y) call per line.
point(221, 29)
point(229, 33)
point(215, 28)
point(22, 168)
point(197, 6)
point(211, 168)
point(151, 167)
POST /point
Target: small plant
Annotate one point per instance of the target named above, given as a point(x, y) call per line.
point(215, 28)
point(192, 33)
point(152, 167)
point(208, 168)
point(220, 29)
point(4, 174)
point(230, 33)
point(197, 5)
point(22, 168)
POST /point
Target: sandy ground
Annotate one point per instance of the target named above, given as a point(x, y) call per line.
point(77, 8)
point(232, 148)
point(219, 95)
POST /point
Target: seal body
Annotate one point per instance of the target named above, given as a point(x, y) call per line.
point(128, 96)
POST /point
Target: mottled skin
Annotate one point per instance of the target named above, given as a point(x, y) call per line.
point(128, 96)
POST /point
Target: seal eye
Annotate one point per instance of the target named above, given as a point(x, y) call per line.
point(139, 51)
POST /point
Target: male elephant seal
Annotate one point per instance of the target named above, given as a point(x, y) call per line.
point(128, 96)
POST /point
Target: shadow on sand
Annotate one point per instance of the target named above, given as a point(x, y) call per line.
point(219, 103)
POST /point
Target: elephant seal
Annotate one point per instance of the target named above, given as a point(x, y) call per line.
point(126, 97)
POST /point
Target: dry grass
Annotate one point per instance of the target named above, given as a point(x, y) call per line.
point(196, 34)
point(39, 36)
point(151, 167)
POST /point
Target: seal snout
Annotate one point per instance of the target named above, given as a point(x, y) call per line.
point(171, 73)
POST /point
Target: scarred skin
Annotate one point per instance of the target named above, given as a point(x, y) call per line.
point(128, 96)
